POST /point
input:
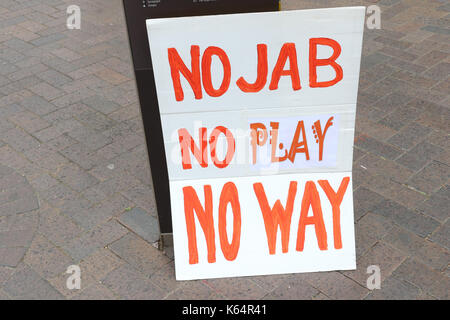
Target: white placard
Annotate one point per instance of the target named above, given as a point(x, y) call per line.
point(258, 114)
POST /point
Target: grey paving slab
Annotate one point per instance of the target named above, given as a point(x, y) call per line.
point(142, 223)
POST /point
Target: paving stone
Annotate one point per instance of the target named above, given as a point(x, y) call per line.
point(11, 257)
point(58, 194)
point(165, 278)
point(66, 54)
point(436, 29)
point(47, 39)
point(4, 296)
point(75, 177)
point(361, 176)
point(234, 288)
point(372, 60)
point(293, 289)
point(419, 275)
point(368, 231)
point(16, 238)
point(423, 250)
point(107, 171)
point(404, 195)
point(444, 7)
point(392, 42)
point(406, 65)
point(364, 200)
point(61, 142)
point(12, 158)
point(21, 205)
point(377, 165)
point(20, 140)
point(5, 274)
point(419, 156)
point(10, 110)
point(139, 253)
point(45, 258)
point(131, 163)
point(141, 223)
point(43, 182)
point(100, 212)
point(5, 125)
point(382, 255)
point(73, 97)
point(440, 288)
point(100, 263)
point(100, 104)
point(23, 221)
point(96, 121)
point(432, 58)
point(336, 286)
point(67, 113)
point(194, 290)
point(392, 101)
point(27, 284)
point(46, 91)
point(398, 53)
point(59, 282)
point(430, 178)
point(57, 227)
point(82, 156)
point(435, 116)
point(372, 145)
point(57, 129)
point(28, 121)
point(38, 105)
point(441, 236)
point(393, 289)
point(401, 117)
point(98, 237)
point(116, 184)
point(19, 85)
point(409, 136)
point(54, 78)
point(415, 222)
point(15, 192)
point(414, 80)
point(436, 206)
point(89, 137)
point(95, 291)
point(373, 129)
point(129, 284)
point(111, 76)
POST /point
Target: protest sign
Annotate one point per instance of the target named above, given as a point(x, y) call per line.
point(258, 114)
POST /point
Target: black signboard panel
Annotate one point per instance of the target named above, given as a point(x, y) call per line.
point(136, 12)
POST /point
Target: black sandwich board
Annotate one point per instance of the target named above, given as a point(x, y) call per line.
point(136, 13)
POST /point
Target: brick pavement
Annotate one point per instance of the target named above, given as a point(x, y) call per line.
point(75, 182)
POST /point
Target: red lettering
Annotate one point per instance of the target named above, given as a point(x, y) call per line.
point(177, 66)
point(311, 198)
point(187, 143)
point(258, 137)
point(206, 71)
point(261, 78)
point(230, 146)
point(331, 61)
point(335, 199)
point(299, 146)
point(288, 51)
point(229, 195)
point(276, 216)
point(205, 217)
